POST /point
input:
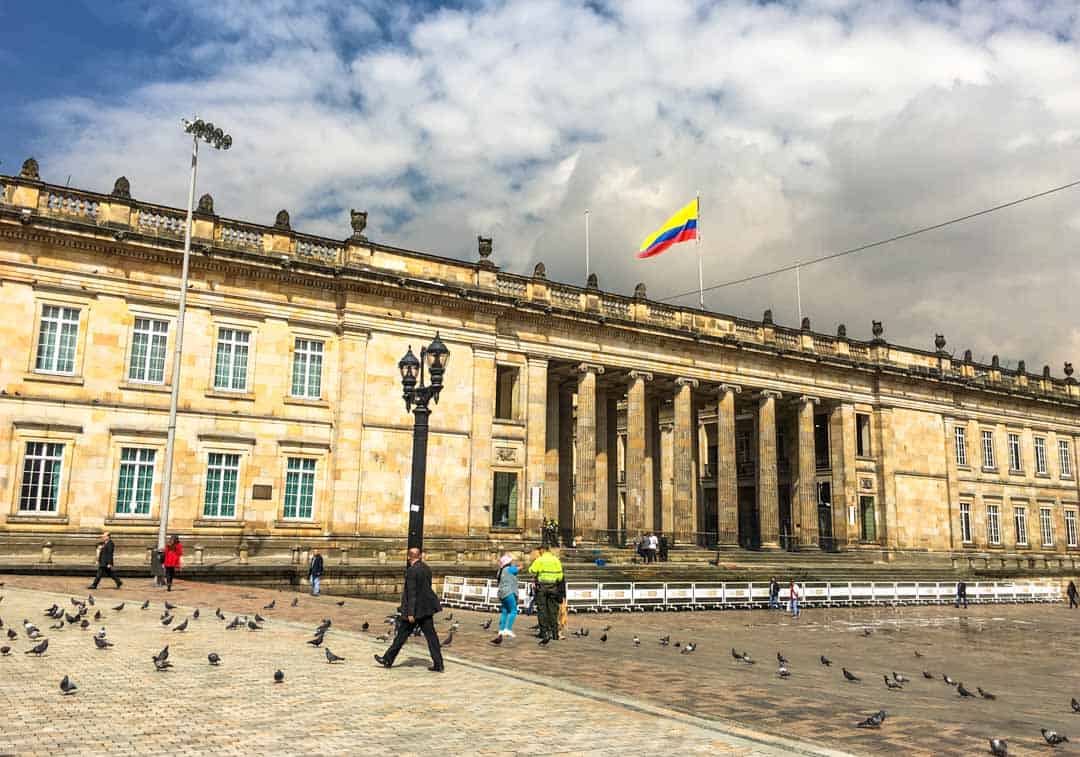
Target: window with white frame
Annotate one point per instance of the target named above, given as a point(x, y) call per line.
point(1072, 539)
point(307, 369)
point(148, 342)
point(993, 524)
point(299, 488)
point(989, 461)
point(1020, 523)
point(58, 336)
point(1040, 455)
point(230, 366)
point(1065, 458)
point(965, 522)
point(1014, 452)
point(222, 475)
point(42, 465)
point(1046, 526)
point(136, 481)
point(961, 445)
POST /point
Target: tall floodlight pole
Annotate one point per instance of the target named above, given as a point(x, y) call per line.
point(215, 137)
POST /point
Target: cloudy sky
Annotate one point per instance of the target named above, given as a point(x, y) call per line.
point(808, 127)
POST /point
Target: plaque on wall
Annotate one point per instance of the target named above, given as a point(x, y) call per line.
point(262, 491)
point(505, 454)
point(866, 483)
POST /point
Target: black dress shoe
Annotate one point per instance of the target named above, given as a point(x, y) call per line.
point(436, 669)
point(383, 661)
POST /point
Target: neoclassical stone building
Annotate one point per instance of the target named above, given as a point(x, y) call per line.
point(613, 414)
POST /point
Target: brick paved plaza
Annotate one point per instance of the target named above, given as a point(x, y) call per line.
point(599, 698)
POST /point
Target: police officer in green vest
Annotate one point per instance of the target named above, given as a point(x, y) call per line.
point(549, 574)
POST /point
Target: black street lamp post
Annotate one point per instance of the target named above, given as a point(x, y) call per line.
point(417, 396)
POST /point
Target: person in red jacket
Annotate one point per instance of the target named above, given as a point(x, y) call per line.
point(174, 550)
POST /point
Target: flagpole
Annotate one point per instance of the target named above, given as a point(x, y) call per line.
point(700, 272)
point(588, 269)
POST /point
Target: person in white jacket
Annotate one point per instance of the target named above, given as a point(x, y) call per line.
point(796, 594)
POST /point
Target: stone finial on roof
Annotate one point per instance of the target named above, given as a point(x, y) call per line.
point(206, 205)
point(281, 221)
point(766, 317)
point(592, 282)
point(122, 188)
point(1021, 366)
point(358, 221)
point(995, 361)
point(841, 331)
point(1046, 371)
point(640, 293)
point(939, 342)
point(805, 326)
point(30, 170)
point(540, 271)
point(967, 356)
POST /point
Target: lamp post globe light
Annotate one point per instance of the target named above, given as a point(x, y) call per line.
point(417, 397)
point(218, 139)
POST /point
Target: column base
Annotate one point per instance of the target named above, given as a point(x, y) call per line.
point(769, 546)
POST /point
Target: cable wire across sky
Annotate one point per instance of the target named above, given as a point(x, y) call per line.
point(879, 243)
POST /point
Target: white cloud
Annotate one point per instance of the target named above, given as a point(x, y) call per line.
point(808, 127)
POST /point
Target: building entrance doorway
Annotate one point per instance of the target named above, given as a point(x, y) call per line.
point(749, 528)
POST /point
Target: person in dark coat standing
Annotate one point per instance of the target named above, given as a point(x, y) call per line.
point(315, 571)
point(418, 606)
point(1072, 593)
point(105, 562)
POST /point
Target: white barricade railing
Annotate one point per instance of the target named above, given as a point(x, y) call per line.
point(591, 596)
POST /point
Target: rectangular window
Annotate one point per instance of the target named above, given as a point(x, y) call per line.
point(222, 474)
point(862, 435)
point(148, 341)
point(507, 393)
point(307, 369)
point(989, 461)
point(136, 481)
point(1040, 455)
point(961, 446)
point(230, 368)
point(965, 522)
point(993, 524)
point(299, 488)
point(1046, 526)
point(42, 465)
point(505, 503)
point(1071, 537)
point(1020, 521)
point(822, 460)
point(869, 523)
point(1014, 453)
point(1065, 458)
point(58, 335)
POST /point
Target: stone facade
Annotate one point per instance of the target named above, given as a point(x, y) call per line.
point(615, 415)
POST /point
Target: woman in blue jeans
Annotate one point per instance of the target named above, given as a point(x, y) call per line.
point(507, 580)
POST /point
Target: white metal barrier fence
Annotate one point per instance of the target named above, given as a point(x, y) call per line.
point(591, 596)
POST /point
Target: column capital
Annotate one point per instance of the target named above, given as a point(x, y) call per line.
point(690, 382)
point(590, 368)
point(725, 388)
point(806, 398)
point(643, 375)
point(768, 394)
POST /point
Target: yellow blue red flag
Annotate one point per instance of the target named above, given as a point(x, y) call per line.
point(681, 227)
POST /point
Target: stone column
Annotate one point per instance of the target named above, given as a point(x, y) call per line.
point(636, 479)
point(551, 452)
point(611, 432)
point(483, 417)
point(535, 443)
point(727, 482)
point(664, 456)
point(767, 484)
point(804, 499)
point(603, 452)
point(346, 454)
point(566, 459)
point(683, 461)
point(585, 454)
point(842, 449)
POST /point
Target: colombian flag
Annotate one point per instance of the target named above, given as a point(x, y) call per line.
point(681, 227)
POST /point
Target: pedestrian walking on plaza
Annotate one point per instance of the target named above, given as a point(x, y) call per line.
point(664, 545)
point(796, 596)
point(105, 562)
point(174, 550)
point(315, 571)
point(774, 594)
point(961, 594)
point(507, 581)
point(642, 547)
point(549, 572)
point(418, 607)
point(1073, 595)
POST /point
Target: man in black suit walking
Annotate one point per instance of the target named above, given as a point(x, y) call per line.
point(105, 562)
point(418, 606)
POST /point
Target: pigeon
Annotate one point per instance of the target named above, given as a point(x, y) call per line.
point(11, 634)
point(145, 605)
point(947, 680)
point(39, 649)
point(892, 684)
point(867, 631)
point(218, 614)
point(929, 676)
point(84, 624)
point(97, 615)
point(119, 607)
point(665, 640)
point(918, 653)
point(167, 620)
point(234, 624)
point(213, 659)
point(295, 602)
point(161, 665)
point(874, 721)
point(999, 748)
point(690, 647)
point(331, 657)
point(253, 626)
point(57, 626)
point(162, 655)
point(90, 599)
point(365, 626)
point(341, 603)
point(742, 657)
point(5, 651)
point(382, 637)
point(71, 619)
point(900, 677)
point(279, 677)
point(962, 691)
point(29, 627)
point(448, 640)
point(605, 629)
point(100, 643)
point(259, 618)
point(1053, 738)
point(781, 659)
point(985, 694)
point(486, 625)
point(182, 627)
point(450, 617)
point(676, 645)
point(67, 687)
point(545, 641)
point(169, 606)
point(77, 602)
point(825, 661)
point(850, 676)
point(603, 637)
point(318, 640)
point(783, 672)
point(195, 614)
point(271, 605)
point(637, 642)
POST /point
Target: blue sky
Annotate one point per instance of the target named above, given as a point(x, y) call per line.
point(809, 126)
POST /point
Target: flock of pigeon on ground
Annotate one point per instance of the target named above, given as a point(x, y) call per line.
point(78, 618)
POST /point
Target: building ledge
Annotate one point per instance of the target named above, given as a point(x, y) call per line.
point(44, 520)
point(307, 525)
point(223, 523)
point(135, 386)
point(220, 394)
point(305, 401)
point(133, 521)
